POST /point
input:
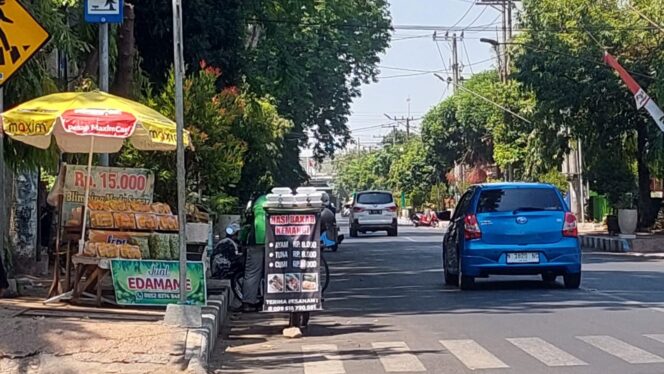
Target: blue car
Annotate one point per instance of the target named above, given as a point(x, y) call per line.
point(513, 229)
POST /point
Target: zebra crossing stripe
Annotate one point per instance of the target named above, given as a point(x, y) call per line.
point(545, 352)
point(658, 337)
point(473, 355)
point(322, 359)
point(394, 357)
point(622, 350)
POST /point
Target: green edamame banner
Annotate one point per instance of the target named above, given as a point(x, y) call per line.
point(145, 282)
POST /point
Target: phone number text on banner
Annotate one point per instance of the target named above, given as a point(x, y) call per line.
point(292, 262)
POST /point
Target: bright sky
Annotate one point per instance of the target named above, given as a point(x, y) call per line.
point(416, 50)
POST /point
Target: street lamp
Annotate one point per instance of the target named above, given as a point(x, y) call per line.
point(496, 47)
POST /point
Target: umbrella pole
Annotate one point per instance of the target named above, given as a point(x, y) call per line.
point(81, 242)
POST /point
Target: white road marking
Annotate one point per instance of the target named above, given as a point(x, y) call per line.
point(545, 352)
point(658, 337)
point(626, 301)
point(410, 239)
point(473, 355)
point(394, 357)
point(322, 359)
point(622, 350)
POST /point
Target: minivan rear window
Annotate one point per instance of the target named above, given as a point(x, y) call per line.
point(374, 198)
point(522, 199)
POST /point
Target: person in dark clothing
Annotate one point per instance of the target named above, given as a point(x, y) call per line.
point(4, 283)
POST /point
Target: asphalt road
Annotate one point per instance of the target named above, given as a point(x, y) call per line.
point(388, 311)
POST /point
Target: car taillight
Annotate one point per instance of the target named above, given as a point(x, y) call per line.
point(392, 209)
point(357, 209)
point(569, 228)
point(471, 227)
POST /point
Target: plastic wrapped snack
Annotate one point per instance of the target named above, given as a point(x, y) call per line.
point(143, 243)
point(101, 220)
point(130, 251)
point(118, 205)
point(168, 223)
point(124, 221)
point(160, 247)
point(146, 221)
point(100, 205)
point(140, 206)
point(90, 249)
point(174, 240)
point(108, 250)
point(161, 208)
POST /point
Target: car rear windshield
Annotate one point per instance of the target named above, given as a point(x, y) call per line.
point(519, 199)
point(374, 198)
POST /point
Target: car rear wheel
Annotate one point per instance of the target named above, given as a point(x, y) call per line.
point(449, 278)
point(548, 277)
point(572, 281)
point(465, 282)
point(393, 231)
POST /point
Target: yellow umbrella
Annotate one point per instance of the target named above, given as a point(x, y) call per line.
point(104, 120)
point(71, 117)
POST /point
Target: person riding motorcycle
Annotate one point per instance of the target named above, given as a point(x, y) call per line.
point(328, 224)
point(225, 253)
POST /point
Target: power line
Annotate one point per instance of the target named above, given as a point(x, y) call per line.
point(478, 17)
point(465, 49)
point(472, 5)
point(411, 70)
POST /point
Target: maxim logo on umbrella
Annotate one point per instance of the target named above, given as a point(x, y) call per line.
point(27, 128)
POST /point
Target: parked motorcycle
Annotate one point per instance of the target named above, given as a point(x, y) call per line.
point(426, 220)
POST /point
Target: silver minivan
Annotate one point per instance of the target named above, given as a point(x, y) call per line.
point(373, 211)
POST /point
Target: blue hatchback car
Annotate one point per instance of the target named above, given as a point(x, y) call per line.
point(514, 229)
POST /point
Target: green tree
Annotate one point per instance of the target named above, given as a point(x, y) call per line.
point(560, 61)
point(312, 56)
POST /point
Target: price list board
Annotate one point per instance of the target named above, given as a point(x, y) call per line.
point(292, 261)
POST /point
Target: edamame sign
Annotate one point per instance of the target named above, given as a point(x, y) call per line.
point(147, 282)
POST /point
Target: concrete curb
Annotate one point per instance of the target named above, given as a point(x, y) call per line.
point(201, 341)
point(606, 244)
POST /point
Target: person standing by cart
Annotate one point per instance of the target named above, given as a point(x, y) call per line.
point(255, 261)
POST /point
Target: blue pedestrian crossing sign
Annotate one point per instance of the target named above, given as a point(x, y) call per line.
point(104, 11)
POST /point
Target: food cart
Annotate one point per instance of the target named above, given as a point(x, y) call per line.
point(109, 212)
point(293, 253)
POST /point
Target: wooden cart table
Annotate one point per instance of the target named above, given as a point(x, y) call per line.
point(95, 270)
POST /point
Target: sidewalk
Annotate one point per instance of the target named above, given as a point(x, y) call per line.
point(71, 345)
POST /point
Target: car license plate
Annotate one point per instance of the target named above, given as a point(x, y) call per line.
point(375, 212)
point(523, 258)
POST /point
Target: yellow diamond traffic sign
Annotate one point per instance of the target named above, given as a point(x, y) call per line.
point(21, 36)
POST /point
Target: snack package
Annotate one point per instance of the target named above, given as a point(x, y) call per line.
point(118, 205)
point(174, 240)
point(146, 221)
point(140, 206)
point(102, 236)
point(98, 205)
point(160, 247)
point(168, 223)
point(90, 249)
point(130, 251)
point(124, 221)
point(108, 250)
point(143, 243)
point(161, 208)
point(101, 220)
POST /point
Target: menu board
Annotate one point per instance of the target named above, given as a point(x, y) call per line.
point(292, 262)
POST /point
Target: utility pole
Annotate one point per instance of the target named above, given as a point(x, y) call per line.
point(103, 72)
point(455, 62)
point(456, 67)
point(179, 120)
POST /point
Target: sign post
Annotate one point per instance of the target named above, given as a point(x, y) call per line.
point(21, 36)
point(104, 12)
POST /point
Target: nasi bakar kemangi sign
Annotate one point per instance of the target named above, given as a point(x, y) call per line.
point(292, 262)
